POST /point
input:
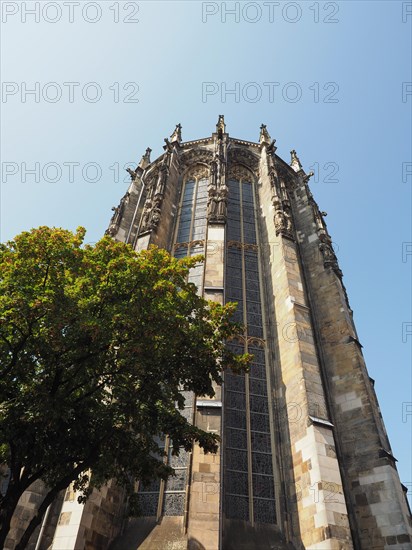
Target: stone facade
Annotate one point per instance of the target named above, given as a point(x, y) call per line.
point(304, 460)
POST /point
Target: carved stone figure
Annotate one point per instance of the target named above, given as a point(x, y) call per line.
point(164, 172)
point(271, 148)
point(212, 203)
point(283, 220)
point(220, 126)
point(329, 256)
point(288, 219)
point(146, 215)
point(283, 192)
point(273, 177)
point(215, 172)
point(279, 220)
point(222, 204)
point(155, 218)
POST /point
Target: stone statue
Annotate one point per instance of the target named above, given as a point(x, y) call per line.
point(212, 203)
point(222, 204)
point(146, 215)
point(288, 220)
point(279, 220)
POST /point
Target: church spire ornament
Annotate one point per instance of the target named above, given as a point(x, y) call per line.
point(294, 161)
point(145, 160)
point(176, 137)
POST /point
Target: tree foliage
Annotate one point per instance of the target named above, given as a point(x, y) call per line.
point(96, 343)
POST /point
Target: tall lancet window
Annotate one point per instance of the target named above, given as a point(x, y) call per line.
point(160, 498)
point(249, 488)
point(191, 222)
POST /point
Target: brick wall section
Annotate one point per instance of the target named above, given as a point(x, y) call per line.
point(377, 505)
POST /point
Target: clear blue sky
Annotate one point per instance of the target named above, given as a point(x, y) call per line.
point(337, 72)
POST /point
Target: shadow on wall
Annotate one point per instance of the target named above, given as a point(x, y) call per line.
point(134, 534)
point(194, 544)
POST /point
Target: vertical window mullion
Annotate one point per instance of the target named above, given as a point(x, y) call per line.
point(267, 356)
point(247, 391)
point(192, 221)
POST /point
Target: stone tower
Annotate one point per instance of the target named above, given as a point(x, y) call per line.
point(304, 460)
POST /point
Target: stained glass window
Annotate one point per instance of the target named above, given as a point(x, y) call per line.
point(247, 437)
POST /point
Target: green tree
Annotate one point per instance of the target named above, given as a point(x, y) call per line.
point(96, 343)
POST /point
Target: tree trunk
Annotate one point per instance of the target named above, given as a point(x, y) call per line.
point(48, 499)
point(9, 504)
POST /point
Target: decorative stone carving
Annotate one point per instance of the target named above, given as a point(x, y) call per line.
point(155, 215)
point(239, 172)
point(285, 172)
point(329, 256)
point(294, 161)
point(176, 137)
point(212, 203)
point(146, 215)
point(151, 214)
point(245, 246)
point(145, 160)
point(283, 222)
point(215, 171)
point(271, 147)
point(217, 204)
point(240, 155)
point(161, 182)
point(195, 156)
point(279, 220)
point(320, 224)
point(150, 179)
point(280, 199)
point(217, 190)
point(221, 213)
point(117, 216)
point(153, 205)
point(307, 177)
point(198, 171)
point(249, 340)
point(264, 137)
point(266, 141)
point(168, 147)
point(132, 173)
point(255, 341)
point(221, 126)
point(190, 244)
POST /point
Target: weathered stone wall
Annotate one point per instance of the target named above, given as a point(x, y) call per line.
point(204, 490)
point(336, 484)
point(317, 521)
point(377, 506)
point(92, 525)
point(25, 511)
point(163, 235)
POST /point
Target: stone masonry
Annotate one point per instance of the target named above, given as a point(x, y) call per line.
point(304, 459)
